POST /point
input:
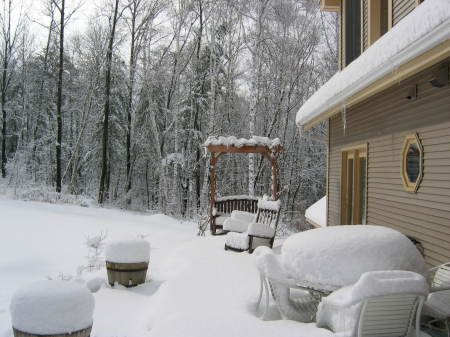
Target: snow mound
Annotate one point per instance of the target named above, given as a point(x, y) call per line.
point(339, 255)
point(52, 307)
point(240, 142)
point(128, 251)
point(317, 212)
point(422, 29)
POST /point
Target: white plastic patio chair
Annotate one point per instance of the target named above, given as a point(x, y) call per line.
point(372, 314)
point(437, 305)
point(273, 279)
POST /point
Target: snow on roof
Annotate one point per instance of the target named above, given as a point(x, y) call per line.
point(425, 27)
point(317, 212)
point(239, 142)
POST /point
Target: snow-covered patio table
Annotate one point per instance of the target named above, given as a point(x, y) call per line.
point(323, 260)
point(337, 256)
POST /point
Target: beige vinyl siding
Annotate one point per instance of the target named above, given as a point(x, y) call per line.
point(341, 38)
point(383, 121)
point(401, 8)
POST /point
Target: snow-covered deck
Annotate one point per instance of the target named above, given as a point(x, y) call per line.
point(195, 288)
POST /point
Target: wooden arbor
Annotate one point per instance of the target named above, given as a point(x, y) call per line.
point(222, 145)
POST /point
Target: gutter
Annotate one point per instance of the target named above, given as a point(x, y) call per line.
point(433, 38)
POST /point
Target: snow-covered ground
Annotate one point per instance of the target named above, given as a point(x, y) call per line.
point(195, 288)
point(40, 240)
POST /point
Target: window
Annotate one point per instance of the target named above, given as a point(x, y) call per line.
point(379, 18)
point(412, 163)
point(352, 14)
point(354, 185)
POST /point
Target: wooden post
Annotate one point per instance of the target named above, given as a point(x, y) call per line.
point(212, 197)
point(273, 160)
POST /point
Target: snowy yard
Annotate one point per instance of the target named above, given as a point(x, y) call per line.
point(195, 287)
point(40, 240)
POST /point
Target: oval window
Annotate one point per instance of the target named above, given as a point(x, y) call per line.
point(412, 163)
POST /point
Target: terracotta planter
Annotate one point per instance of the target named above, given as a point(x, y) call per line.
point(80, 333)
point(126, 274)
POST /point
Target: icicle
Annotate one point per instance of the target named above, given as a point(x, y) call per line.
point(344, 117)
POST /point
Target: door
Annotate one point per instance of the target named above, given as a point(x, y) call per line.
point(354, 185)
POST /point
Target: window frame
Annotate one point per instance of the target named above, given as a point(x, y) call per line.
point(345, 27)
point(409, 186)
point(374, 20)
point(346, 216)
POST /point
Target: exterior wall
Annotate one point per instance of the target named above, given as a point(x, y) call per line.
point(401, 8)
point(382, 122)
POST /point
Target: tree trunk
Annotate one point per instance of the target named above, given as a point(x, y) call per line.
point(59, 99)
point(130, 98)
point(105, 142)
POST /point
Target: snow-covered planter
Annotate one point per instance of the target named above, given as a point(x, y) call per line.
point(127, 262)
point(52, 308)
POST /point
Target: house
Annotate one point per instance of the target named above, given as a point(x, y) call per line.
point(388, 117)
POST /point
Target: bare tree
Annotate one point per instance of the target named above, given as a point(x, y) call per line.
point(104, 182)
point(10, 36)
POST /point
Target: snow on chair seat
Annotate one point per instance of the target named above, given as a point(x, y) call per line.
point(243, 216)
point(236, 241)
point(235, 225)
point(261, 230)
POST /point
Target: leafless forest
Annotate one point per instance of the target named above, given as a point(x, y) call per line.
point(119, 112)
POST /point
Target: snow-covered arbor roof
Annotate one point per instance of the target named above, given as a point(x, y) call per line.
point(255, 144)
point(425, 28)
point(220, 145)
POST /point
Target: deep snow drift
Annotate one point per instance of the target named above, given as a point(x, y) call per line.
point(40, 240)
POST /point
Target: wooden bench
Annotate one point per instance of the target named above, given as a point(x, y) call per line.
point(225, 205)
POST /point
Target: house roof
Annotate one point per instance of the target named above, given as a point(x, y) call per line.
point(317, 212)
point(424, 28)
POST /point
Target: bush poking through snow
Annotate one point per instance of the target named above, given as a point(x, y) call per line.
point(52, 307)
point(95, 245)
